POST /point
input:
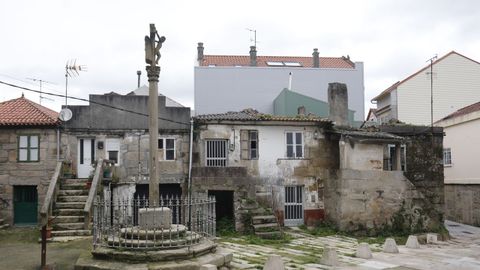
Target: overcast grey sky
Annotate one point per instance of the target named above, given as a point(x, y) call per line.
point(392, 38)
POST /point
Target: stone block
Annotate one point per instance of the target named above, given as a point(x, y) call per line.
point(155, 218)
point(329, 257)
point(412, 242)
point(274, 262)
point(432, 238)
point(390, 246)
point(208, 267)
point(363, 251)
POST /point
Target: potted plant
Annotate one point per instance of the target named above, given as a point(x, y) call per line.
point(90, 179)
point(107, 172)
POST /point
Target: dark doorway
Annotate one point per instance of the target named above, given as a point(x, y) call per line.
point(170, 194)
point(223, 204)
point(25, 202)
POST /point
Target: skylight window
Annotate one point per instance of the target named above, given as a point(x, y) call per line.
point(212, 65)
point(292, 64)
point(275, 64)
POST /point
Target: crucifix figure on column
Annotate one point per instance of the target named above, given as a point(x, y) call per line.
point(153, 43)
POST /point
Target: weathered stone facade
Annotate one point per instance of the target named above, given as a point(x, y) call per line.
point(15, 173)
point(462, 203)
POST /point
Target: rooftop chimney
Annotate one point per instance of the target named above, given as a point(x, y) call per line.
point(338, 103)
point(316, 58)
point(253, 56)
point(200, 52)
point(139, 73)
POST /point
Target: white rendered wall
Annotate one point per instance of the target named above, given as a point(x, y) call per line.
point(456, 84)
point(463, 139)
point(223, 89)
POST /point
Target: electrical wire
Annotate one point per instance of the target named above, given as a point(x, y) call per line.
point(90, 101)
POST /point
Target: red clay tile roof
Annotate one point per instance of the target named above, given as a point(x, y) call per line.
point(244, 60)
point(23, 112)
point(395, 85)
point(463, 111)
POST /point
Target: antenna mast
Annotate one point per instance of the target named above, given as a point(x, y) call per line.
point(40, 88)
point(254, 36)
point(431, 60)
point(71, 69)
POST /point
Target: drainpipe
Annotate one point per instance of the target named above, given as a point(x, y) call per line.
point(190, 176)
point(58, 144)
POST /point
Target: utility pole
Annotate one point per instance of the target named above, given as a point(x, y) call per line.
point(152, 56)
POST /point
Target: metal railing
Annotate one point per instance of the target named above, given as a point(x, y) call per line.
point(138, 224)
point(51, 195)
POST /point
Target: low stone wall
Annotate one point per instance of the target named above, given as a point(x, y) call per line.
point(462, 203)
point(375, 200)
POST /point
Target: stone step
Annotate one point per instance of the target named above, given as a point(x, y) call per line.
point(265, 225)
point(71, 233)
point(77, 186)
point(69, 205)
point(190, 237)
point(72, 198)
point(74, 180)
point(4, 226)
point(264, 219)
point(68, 212)
point(68, 226)
point(73, 192)
point(2, 220)
point(68, 219)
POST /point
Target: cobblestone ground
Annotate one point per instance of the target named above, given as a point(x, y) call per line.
point(462, 252)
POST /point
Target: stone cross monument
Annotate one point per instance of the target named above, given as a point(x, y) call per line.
point(153, 43)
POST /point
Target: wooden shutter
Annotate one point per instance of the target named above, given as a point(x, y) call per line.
point(244, 144)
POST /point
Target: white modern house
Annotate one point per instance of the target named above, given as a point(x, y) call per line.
point(461, 167)
point(226, 83)
point(456, 83)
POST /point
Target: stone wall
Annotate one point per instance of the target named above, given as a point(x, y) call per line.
point(424, 163)
point(462, 203)
point(362, 200)
point(14, 173)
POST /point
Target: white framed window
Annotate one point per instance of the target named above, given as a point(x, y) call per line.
point(294, 144)
point(28, 146)
point(216, 153)
point(447, 157)
point(168, 147)
point(112, 148)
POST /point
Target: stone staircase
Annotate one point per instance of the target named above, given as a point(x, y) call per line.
point(68, 210)
point(3, 225)
point(265, 225)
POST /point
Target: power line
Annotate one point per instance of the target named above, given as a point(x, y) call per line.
point(90, 101)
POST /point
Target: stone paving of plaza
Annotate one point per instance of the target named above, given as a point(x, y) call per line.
point(462, 252)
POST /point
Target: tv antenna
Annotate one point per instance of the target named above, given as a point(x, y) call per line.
point(254, 31)
point(40, 81)
point(72, 70)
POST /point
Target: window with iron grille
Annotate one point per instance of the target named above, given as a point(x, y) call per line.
point(28, 146)
point(294, 142)
point(216, 152)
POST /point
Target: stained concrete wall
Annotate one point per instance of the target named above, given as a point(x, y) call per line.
point(14, 173)
point(265, 178)
point(462, 203)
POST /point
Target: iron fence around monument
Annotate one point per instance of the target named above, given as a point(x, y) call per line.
point(120, 224)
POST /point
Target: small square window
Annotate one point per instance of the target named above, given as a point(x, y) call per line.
point(28, 148)
point(113, 155)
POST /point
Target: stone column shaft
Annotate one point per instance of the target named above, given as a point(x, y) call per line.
point(153, 73)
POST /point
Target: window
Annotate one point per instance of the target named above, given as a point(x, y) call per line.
point(216, 153)
point(28, 146)
point(389, 162)
point(292, 64)
point(447, 157)
point(168, 146)
point(294, 142)
point(112, 149)
point(249, 144)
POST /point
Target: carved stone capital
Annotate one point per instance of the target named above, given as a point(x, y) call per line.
point(153, 72)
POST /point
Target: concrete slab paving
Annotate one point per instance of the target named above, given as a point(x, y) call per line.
point(462, 252)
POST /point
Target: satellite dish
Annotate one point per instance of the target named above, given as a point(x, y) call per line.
point(65, 114)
